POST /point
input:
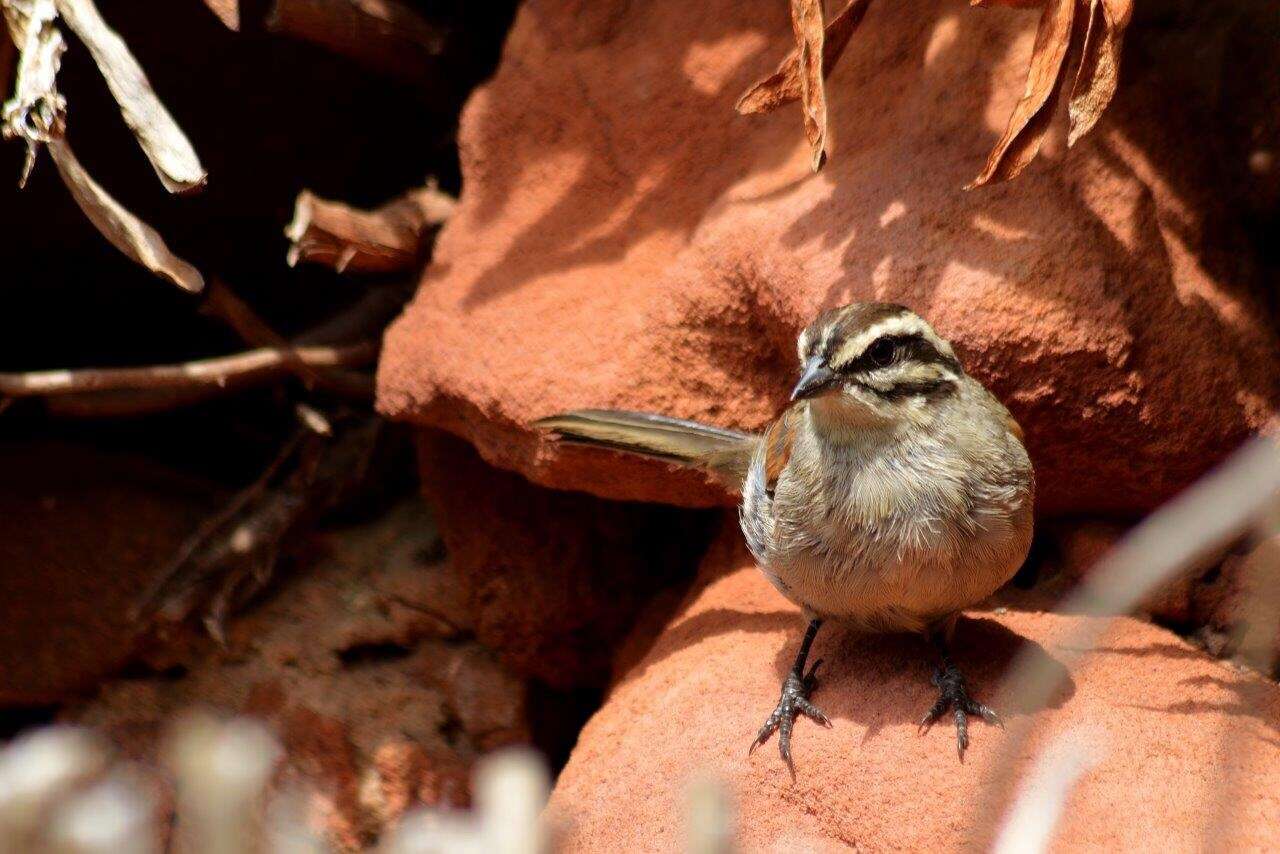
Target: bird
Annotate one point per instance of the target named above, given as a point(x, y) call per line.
point(892, 493)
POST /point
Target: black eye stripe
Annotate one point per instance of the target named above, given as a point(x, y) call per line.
point(909, 346)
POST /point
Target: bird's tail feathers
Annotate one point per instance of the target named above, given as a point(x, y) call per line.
point(723, 453)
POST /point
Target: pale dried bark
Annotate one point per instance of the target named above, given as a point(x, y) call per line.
point(37, 110)
point(386, 240)
point(164, 143)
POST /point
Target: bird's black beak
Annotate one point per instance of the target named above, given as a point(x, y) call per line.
point(814, 379)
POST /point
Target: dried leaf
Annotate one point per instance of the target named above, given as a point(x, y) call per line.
point(783, 85)
point(388, 239)
point(1099, 71)
point(125, 231)
point(1030, 119)
point(806, 21)
point(164, 143)
point(228, 12)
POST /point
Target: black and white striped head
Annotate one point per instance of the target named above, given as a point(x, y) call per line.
point(883, 356)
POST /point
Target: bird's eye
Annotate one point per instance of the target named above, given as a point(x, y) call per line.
point(883, 352)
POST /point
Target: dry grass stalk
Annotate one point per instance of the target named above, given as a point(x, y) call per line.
point(1201, 521)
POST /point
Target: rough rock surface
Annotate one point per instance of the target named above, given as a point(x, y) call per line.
point(624, 239)
point(364, 666)
point(1187, 746)
point(82, 535)
point(552, 580)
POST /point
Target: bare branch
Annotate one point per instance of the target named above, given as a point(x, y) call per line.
point(386, 240)
point(222, 372)
point(164, 143)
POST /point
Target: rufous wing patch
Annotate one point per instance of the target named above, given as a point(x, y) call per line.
point(778, 441)
point(1015, 428)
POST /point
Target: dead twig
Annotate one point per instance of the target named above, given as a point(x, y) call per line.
point(389, 239)
point(222, 372)
point(233, 555)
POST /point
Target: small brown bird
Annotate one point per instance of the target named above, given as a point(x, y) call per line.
point(892, 494)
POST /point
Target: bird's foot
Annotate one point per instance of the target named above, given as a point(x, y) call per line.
point(953, 693)
point(793, 703)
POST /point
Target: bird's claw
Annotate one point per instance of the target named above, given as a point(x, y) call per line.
point(793, 702)
point(953, 693)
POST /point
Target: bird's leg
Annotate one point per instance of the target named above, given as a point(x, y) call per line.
point(953, 693)
point(794, 700)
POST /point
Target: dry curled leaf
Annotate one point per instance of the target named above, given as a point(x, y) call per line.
point(164, 143)
point(806, 21)
point(1099, 70)
point(1090, 30)
point(1021, 140)
point(228, 12)
point(125, 231)
point(783, 86)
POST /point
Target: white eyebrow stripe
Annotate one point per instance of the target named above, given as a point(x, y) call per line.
point(899, 324)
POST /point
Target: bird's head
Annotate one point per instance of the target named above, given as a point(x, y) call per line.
point(873, 364)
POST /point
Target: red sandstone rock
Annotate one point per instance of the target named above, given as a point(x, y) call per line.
point(1185, 740)
point(625, 239)
point(552, 579)
point(82, 535)
point(380, 698)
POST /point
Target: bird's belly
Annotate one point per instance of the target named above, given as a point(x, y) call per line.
point(903, 580)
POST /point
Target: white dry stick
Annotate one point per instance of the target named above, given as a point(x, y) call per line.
point(710, 818)
point(287, 829)
point(222, 771)
point(164, 143)
point(115, 816)
point(1202, 520)
point(511, 789)
point(1039, 805)
point(122, 229)
point(35, 771)
point(36, 112)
